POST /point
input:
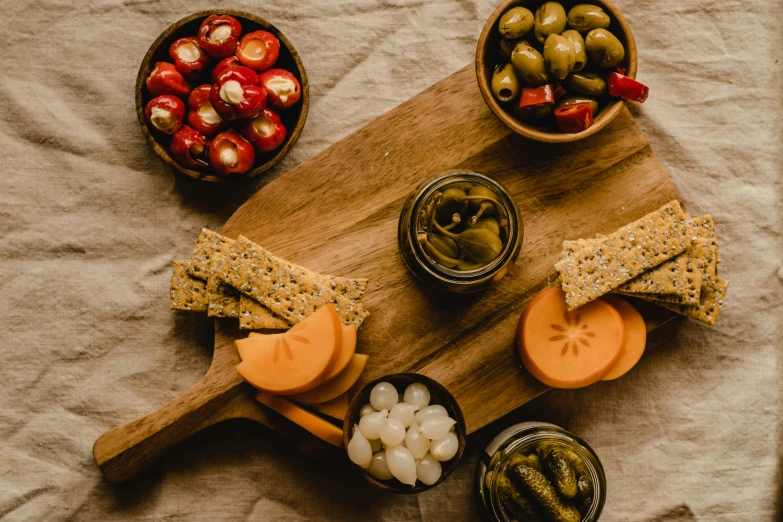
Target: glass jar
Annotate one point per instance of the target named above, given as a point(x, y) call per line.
point(473, 276)
point(522, 438)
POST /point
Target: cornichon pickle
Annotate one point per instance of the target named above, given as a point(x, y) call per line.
point(560, 469)
point(515, 502)
point(584, 482)
point(535, 462)
point(544, 495)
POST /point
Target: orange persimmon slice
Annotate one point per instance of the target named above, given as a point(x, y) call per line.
point(337, 386)
point(635, 337)
point(566, 349)
point(335, 408)
point(311, 422)
point(297, 360)
point(347, 349)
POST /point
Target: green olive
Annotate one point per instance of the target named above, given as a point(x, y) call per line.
point(529, 64)
point(586, 17)
point(505, 85)
point(604, 48)
point(579, 48)
point(573, 100)
point(515, 22)
point(534, 113)
point(550, 19)
point(508, 46)
point(559, 56)
point(590, 83)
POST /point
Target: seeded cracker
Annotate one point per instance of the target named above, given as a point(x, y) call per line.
point(708, 310)
point(254, 316)
point(288, 290)
point(209, 249)
point(223, 299)
point(590, 271)
point(187, 293)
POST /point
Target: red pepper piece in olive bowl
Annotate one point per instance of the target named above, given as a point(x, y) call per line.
point(557, 71)
point(221, 95)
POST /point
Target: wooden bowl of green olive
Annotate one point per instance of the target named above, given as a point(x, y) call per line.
point(557, 72)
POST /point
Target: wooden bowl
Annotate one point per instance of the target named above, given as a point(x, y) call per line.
point(438, 395)
point(293, 118)
point(488, 55)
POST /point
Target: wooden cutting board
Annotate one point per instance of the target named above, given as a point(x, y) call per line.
point(337, 214)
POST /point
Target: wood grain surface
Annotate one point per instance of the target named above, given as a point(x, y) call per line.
point(337, 214)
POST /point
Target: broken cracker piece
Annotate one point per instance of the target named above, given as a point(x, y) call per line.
point(254, 316)
point(187, 293)
point(208, 251)
point(708, 310)
point(223, 299)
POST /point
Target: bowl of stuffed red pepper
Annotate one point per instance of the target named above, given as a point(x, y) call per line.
point(559, 71)
point(222, 95)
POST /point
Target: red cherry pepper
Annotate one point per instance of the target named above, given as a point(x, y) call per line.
point(219, 35)
point(559, 92)
point(282, 87)
point(572, 119)
point(236, 94)
point(266, 132)
point(166, 79)
point(189, 147)
point(626, 88)
point(230, 153)
point(537, 96)
point(188, 57)
point(201, 115)
point(258, 50)
point(165, 113)
point(222, 65)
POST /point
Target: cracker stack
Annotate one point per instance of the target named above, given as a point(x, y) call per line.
point(228, 278)
point(665, 258)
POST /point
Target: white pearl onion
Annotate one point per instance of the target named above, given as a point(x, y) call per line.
point(428, 470)
point(435, 427)
point(444, 448)
point(417, 394)
point(366, 410)
point(401, 464)
point(417, 443)
point(378, 467)
point(384, 396)
point(392, 432)
point(435, 410)
point(370, 424)
point(359, 449)
point(403, 412)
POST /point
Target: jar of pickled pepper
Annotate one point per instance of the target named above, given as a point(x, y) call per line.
point(460, 231)
point(535, 472)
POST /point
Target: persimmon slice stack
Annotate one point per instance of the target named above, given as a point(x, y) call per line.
point(635, 337)
point(566, 349)
point(297, 360)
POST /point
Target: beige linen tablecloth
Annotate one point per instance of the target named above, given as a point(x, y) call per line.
point(91, 219)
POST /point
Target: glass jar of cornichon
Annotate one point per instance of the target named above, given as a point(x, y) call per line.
point(460, 231)
point(538, 472)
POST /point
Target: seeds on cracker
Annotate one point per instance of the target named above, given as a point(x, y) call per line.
point(254, 316)
point(589, 270)
point(209, 249)
point(708, 309)
point(187, 293)
point(223, 299)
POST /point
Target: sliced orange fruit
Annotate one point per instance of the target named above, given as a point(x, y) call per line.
point(566, 349)
point(635, 337)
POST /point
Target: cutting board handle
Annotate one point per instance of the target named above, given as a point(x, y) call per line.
point(124, 451)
